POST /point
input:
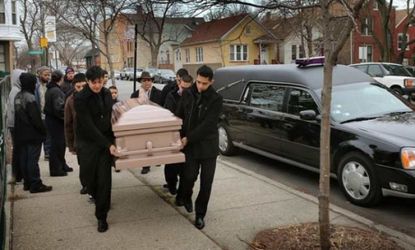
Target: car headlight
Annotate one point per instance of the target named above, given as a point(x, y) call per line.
point(408, 158)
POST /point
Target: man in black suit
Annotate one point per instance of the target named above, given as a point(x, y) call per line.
point(200, 107)
point(147, 92)
point(95, 141)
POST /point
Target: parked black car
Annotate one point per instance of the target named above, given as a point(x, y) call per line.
point(274, 110)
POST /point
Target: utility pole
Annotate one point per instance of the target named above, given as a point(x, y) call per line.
point(135, 55)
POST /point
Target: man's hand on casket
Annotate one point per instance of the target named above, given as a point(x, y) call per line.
point(114, 151)
point(184, 142)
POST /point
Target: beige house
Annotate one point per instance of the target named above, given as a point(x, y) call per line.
point(122, 42)
point(236, 40)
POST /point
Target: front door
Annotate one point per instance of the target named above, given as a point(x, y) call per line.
point(264, 54)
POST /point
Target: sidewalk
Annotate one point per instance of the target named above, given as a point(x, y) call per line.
point(143, 215)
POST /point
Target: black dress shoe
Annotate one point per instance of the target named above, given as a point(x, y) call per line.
point(173, 190)
point(188, 206)
point(40, 189)
point(145, 170)
point(199, 223)
point(179, 202)
point(68, 169)
point(83, 190)
point(59, 174)
point(102, 226)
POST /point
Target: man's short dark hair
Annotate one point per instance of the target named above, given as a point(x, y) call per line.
point(205, 71)
point(182, 72)
point(104, 72)
point(56, 76)
point(187, 78)
point(93, 73)
point(80, 77)
point(113, 87)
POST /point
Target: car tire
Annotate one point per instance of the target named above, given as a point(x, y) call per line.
point(226, 146)
point(358, 180)
point(397, 90)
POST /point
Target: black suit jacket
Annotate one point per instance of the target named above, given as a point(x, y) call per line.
point(200, 115)
point(155, 95)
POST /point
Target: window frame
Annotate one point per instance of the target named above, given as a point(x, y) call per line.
point(199, 54)
point(400, 40)
point(251, 86)
point(366, 27)
point(2, 12)
point(287, 99)
point(243, 51)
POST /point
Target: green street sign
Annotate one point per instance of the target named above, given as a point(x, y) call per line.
point(35, 52)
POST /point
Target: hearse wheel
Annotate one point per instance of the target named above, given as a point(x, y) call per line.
point(226, 146)
point(358, 180)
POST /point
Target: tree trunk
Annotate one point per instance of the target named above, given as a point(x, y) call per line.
point(109, 59)
point(324, 219)
point(154, 55)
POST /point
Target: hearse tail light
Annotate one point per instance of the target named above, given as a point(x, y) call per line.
point(303, 62)
point(408, 83)
point(408, 158)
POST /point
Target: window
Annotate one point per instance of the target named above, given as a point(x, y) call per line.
point(130, 62)
point(374, 70)
point(365, 53)
point(366, 27)
point(293, 52)
point(178, 55)
point(187, 54)
point(2, 12)
point(2, 57)
point(267, 96)
point(299, 100)
point(375, 5)
point(14, 19)
point(239, 52)
point(199, 54)
point(401, 38)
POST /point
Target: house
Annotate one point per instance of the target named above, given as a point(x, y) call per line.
point(363, 40)
point(121, 39)
point(291, 35)
point(92, 57)
point(9, 34)
point(235, 40)
point(409, 53)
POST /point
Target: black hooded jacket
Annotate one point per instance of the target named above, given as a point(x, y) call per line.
point(28, 127)
point(54, 102)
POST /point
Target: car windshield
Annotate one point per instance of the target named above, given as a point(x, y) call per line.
point(364, 101)
point(396, 70)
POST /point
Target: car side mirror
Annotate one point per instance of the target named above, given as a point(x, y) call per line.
point(308, 115)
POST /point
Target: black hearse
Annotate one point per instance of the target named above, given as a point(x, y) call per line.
point(274, 110)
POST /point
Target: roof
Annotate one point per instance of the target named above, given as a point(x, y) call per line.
point(399, 16)
point(281, 27)
point(213, 30)
point(189, 21)
point(91, 52)
point(231, 81)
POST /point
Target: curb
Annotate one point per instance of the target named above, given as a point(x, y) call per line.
point(402, 239)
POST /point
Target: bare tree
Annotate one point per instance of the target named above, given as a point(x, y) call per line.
point(153, 21)
point(29, 24)
point(94, 19)
point(68, 44)
point(384, 39)
point(224, 11)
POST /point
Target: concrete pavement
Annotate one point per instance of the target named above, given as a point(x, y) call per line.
point(143, 215)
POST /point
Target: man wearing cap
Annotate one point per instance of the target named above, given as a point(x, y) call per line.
point(43, 78)
point(67, 86)
point(147, 92)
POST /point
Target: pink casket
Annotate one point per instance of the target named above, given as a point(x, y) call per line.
point(147, 135)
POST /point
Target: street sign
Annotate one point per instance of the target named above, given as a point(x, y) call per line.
point(50, 28)
point(43, 42)
point(35, 52)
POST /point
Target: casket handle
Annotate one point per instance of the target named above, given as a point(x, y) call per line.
point(149, 146)
point(153, 150)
